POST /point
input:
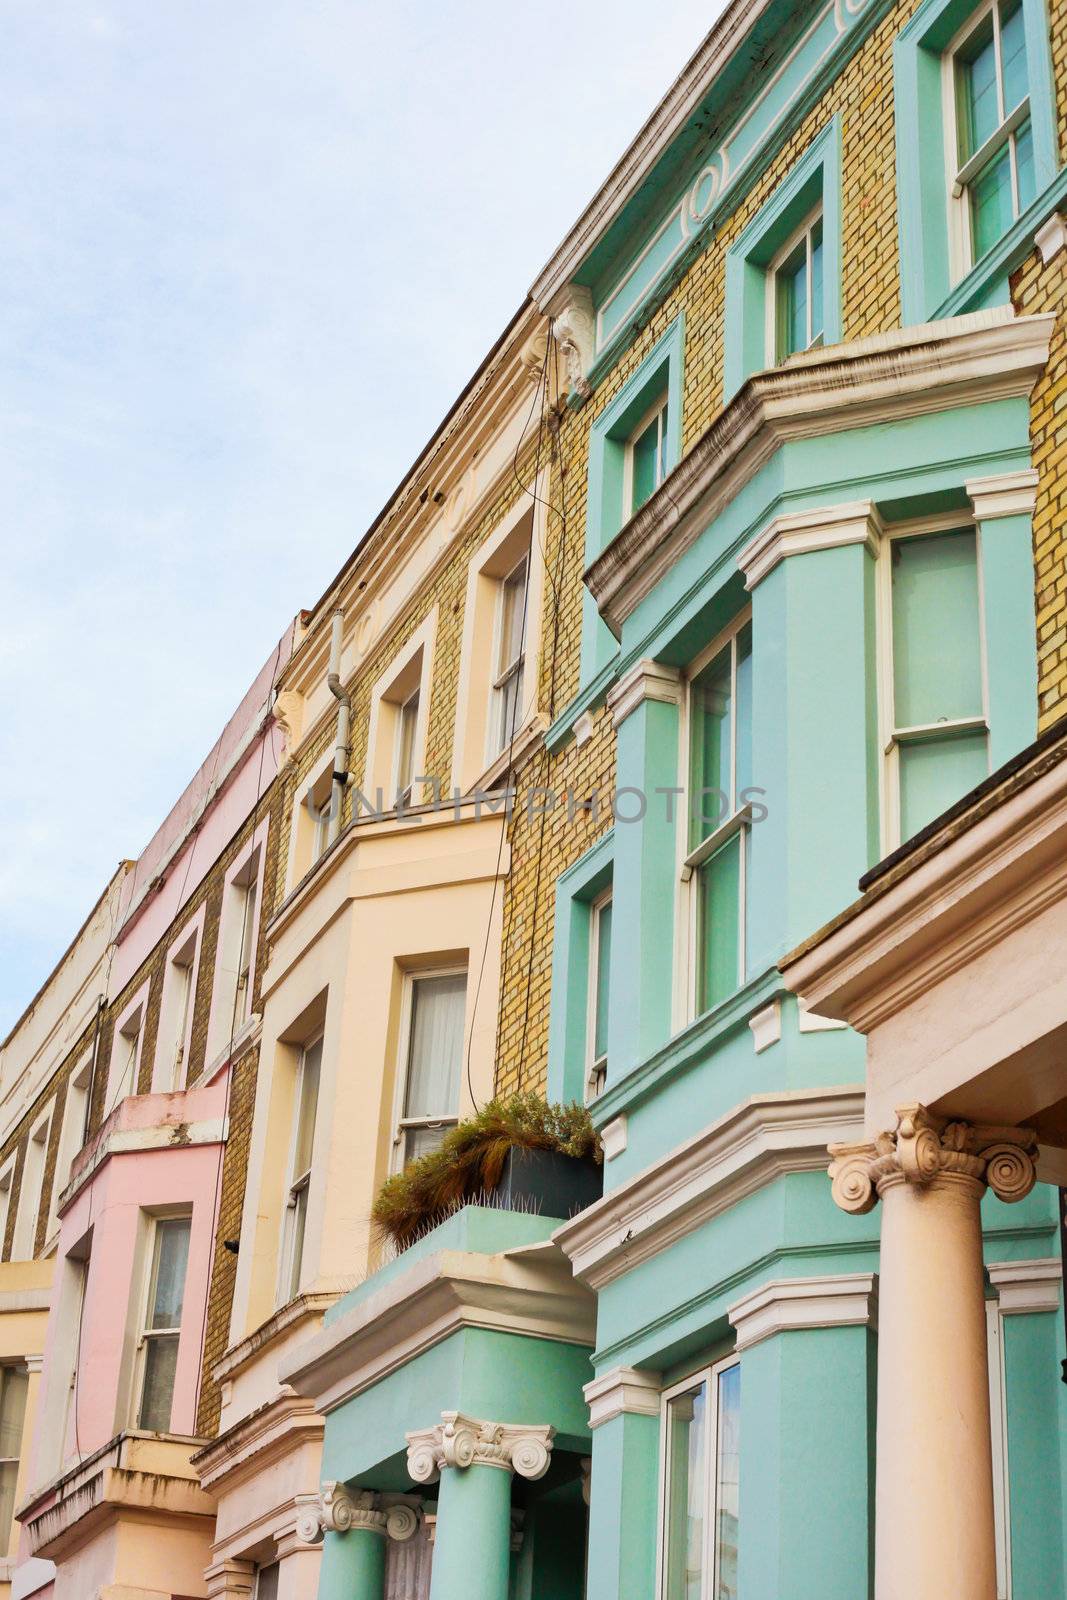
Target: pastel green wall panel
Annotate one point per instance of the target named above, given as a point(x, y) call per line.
point(352, 1566)
point(646, 872)
point(806, 1465)
point(623, 1509)
point(1035, 1409)
point(472, 1538)
point(1005, 552)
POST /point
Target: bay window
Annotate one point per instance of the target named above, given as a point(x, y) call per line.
point(935, 731)
point(700, 1465)
point(599, 993)
point(303, 1148)
point(992, 148)
point(714, 869)
point(161, 1329)
point(432, 1056)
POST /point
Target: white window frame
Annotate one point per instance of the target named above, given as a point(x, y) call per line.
point(145, 1334)
point(774, 266)
point(960, 174)
point(72, 1132)
point(129, 1025)
point(408, 674)
point(596, 1067)
point(7, 1190)
point(708, 1375)
point(472, 765)
point(31, 1187)
point(401, 1124)
point(657, 411)
point(273, 1565)
point(889, 735)
point(170, 1076)
point(504, 673)
point(739, 821)
point(289, 1268)
point(998, 1417)
point(246, 871)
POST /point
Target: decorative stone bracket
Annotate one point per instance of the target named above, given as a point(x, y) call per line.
point(338, 1510)
point(574, 329)
point(925, 1147)
point(462, 1441)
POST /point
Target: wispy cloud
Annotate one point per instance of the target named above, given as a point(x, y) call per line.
point(249, 255)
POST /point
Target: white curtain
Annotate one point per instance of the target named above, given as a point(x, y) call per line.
point(435, 1056)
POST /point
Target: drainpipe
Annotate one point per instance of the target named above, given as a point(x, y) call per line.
point(344, 719)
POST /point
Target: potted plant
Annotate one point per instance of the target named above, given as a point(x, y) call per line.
point(518, 1153)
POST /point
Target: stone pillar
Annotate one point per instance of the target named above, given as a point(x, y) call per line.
point(934, 1526)
point(645, 707)
point(352, 1527)
point(1003, 509)
point(474, 1461)
point(623, 1485)
point(230, 1579)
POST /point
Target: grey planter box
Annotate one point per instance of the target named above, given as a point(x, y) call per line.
point(548, 1183)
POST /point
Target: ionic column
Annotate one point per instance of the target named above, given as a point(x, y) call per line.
point(352, 1528)
point(474, 1461)
point(934, 1533)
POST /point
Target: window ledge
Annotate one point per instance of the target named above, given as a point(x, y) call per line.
point(246, 1035)
point(687, 1047)
point(526, 741)
point(1006, 255)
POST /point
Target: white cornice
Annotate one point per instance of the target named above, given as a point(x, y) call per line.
point(646, 680)
point(764, 1138)
point(624, 1391)
point(303, 1308)
point(798, 532)
point(847, 1299)
point(254, 1443)
point(675, 109)
point(983, 356)
point(1027, 1285)
point(122, 1141)
point(437, 1296)
point(1051, 237)
point(1005, 494)
point(988, 872)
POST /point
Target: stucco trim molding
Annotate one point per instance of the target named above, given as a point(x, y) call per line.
point(798, 532)
point(460, 1441)
point(768, 1136)
point(1051, 237)
point(624, 1391)
point(843, 1300)
point(985, 355)
point(646, 680)
point(535, 1296)
point(1004, 494)
point(1027, 1285)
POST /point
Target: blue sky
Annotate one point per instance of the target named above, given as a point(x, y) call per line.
point(249, 253)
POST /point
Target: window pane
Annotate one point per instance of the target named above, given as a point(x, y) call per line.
point(13, 1385)
point(160, 1365)
point(976, 67)
point(172, 1254)
point(297, 1229)
point(267, 1582)
point(992, 211)
point(791, 288)
point(435, 1054)
point(935, 773)
point(423, 1141)
point(718, 913)
point(512, 619)
point(602, 979)
point(405, 764)
point(937, 669)
point(712, 711)
point(684, 1531)
point(306, 1111)
point(510, 701)
point(9, 1472)
point(645, 464)
point(744, 711)
point(817, 328)
point(1013, 56)
point(1024, 165)
point(727, 1473)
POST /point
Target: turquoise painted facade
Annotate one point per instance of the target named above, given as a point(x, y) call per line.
point(717, 1246)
